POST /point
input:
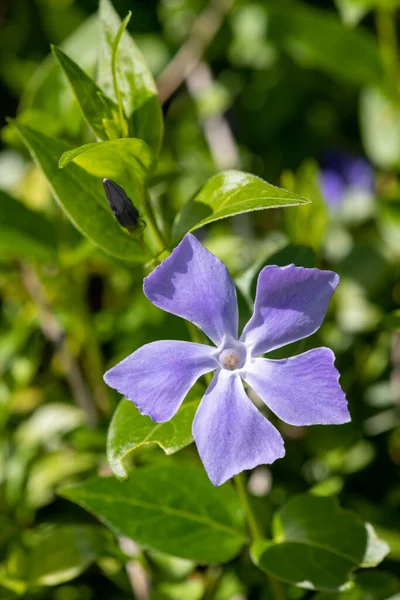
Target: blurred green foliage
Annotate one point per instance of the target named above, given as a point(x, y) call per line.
point(277, 86)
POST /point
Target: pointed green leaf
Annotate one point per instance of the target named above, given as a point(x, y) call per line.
point(129, 430)
point(172, 509)
point(81, 196)
point(231, 193)
point(317, 544)
point(136, 84)
point(116, 159)
point(95, 105)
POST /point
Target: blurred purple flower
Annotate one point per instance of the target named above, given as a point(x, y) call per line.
point(230, 433)
point(342, 174)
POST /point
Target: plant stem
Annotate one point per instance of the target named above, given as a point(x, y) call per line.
point(256, 531)
point(151, 222)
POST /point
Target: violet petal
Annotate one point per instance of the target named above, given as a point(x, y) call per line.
point(230, 433)
point(290, 304)
point(194, 284)
point(301, 390)
point(158, 376)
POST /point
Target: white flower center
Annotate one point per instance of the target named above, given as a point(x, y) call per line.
point(233, 356)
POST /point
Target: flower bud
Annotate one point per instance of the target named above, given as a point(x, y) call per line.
point(123, 209)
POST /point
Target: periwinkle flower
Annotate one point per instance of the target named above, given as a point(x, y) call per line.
point(343, 174)
point(230, 433)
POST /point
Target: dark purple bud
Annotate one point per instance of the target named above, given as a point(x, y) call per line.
point(123, 209)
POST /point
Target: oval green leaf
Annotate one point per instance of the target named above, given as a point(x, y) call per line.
point(317, 544)
point(81, 196)
point(129, 430)
point(172, 509)
point(231, 193)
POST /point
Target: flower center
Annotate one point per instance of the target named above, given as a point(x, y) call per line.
point(232, 357)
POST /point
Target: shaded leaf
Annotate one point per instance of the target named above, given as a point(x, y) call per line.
point(316, 38)
point(63, 552)
point(81, 196)
point(23, 232)
point(231, 193)
point(171, 509)
point(317, 544)
point(372, 586)
point(136, 84)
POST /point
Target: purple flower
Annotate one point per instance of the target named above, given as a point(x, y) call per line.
point(343, 174)
point(230, 433)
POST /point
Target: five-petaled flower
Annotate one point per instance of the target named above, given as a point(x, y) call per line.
point(230, 433)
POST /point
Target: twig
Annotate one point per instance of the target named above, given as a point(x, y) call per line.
point(53, 331)
point(191, 52)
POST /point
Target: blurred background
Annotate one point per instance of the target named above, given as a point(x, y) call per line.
point(307, 96)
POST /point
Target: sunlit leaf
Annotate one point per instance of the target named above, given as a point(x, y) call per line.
point(81, 196)
point(24, 233)
point(231, 193)
point(129, 430)
point(117, 159)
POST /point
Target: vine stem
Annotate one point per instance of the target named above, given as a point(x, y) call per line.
point(255, 529)
point(256, 532)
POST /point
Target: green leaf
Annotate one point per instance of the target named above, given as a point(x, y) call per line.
point(231, 193)
point(317, 38)
point(129, 430)
point(380, 128)
point(94, 104)
point(368, 586)
point(24, 233)
point(117, 159)
point(317, 544)
point(136, 84)
point(81, 196)
point(63, 552)
point(171, 509)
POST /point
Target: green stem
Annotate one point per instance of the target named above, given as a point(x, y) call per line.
point(256, 532)
point(387, 39)
point(148, 214)
point(255, 529)
point(122, 119)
